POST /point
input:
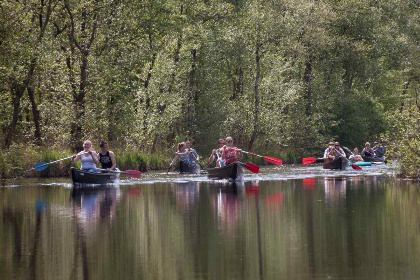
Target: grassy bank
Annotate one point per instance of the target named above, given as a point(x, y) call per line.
point(18, 161)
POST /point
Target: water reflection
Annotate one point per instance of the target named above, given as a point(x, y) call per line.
point(225, 200)
point(360, 227)
point(93, 205)
point(335, 191)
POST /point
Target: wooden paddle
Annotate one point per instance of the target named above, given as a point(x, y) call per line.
point(252, 167)
point(272, 160)
point(39, 166)
point(128, 173)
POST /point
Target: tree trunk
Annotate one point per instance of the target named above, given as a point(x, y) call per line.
point(404, 93)
point(257, 97)
point(80, 106)
point(308, 79)
point(192, 97)
point(170, 87)
point(147, 100)
point(36, 117)
point(84, 48)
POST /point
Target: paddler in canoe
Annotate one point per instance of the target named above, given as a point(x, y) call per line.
point(107, 157)
point(355, 156)
point(88, 157)
point(379, 150)
point(368, 151)
point(184, 159)
point(216, 154)
point(230, 154)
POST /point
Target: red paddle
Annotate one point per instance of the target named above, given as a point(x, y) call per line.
point(252, 167)
point(308, 160)
point(272, 160)
point(355, 167)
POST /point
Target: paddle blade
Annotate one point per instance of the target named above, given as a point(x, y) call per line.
point(356, 167)
point(252, 167)
point(273, 160)
point(308, 160)
point(132, 173)
point(39, 166)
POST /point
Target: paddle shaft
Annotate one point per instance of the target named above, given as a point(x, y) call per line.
point(39, 166)
point(61, 159)
point(266, 158)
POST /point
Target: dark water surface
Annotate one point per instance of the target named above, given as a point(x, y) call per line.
point(286, 223)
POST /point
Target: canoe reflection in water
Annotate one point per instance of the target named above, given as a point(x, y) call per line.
point(335, 191)
point(93, 205)
point(225, 201)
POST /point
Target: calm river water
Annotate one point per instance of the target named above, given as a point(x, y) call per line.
point(294, 222)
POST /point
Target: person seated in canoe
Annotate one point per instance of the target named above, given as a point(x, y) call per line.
point(329, 152)
point(217, 153)
point(182, 155)
point(368, 151)
point(193, 153)
point(107, 157)
point(338, 151)
point(88, 157)
point(379, 150)
point(230, 154)
point(355, 156)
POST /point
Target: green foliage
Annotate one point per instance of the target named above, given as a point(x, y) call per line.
point(160, 72)
point(404, 142)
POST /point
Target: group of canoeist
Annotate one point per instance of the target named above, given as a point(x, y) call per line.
point(225, 154)
point(90, 159)
point(335, 151)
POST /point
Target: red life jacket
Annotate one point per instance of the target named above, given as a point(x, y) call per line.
point(230, 155)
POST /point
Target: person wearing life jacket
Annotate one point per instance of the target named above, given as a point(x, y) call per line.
point(230, 154)
point(88, 157)
point(107, 157)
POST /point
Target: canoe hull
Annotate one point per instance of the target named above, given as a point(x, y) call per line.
point(360, 163)
point(185, 168)
point(83, 177)
point(373, 159)
point(340, 163)
point(233, 171)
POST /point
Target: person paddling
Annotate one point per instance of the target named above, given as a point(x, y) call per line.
point(193, 153)
point(379, 150)
point(88, 157)
point(368, 151)
point(355, 155)
point(329, 152)
point(230, 154)
point(107, 157)
point(217, 153)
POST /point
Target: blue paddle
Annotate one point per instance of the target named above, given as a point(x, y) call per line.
point(39, 166)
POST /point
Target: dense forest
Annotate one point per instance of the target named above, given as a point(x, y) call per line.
point(282, 77)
